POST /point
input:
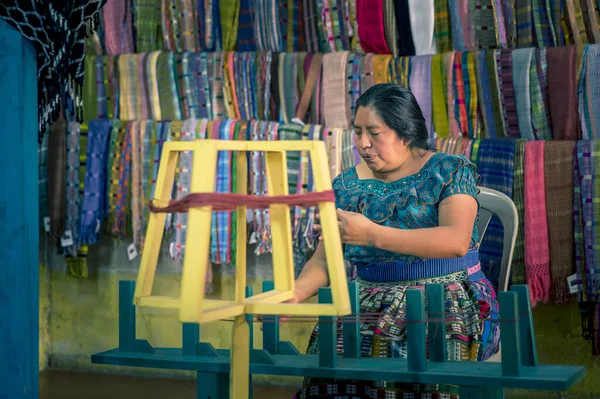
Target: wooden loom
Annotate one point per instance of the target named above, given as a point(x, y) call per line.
point(226, 374)
point(192, 305)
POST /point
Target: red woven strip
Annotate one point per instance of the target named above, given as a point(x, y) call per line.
point(221, 202)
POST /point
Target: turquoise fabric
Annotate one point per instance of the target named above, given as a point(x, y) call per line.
point(408, 203)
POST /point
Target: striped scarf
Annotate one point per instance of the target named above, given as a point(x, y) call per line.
point(542, 19)
point(524, 12)
point(539, 111)
point(518, 266)
point(589, 93)
point(117, 18)
point(93, 203)
point(537, 247)
point(508, 93)
point(334, 101)
point(485, 95)
point(146, 24)
point(521, 69)
point(495, 165)
point(167, 87)
point(420, 86)
point(120, 167)
point(267, 23)
point(443, 34)
point(246, 36)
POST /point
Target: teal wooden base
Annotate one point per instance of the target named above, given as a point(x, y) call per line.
point(518, 369)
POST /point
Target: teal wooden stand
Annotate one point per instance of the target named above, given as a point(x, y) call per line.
point(19, 216)
point(519, 367)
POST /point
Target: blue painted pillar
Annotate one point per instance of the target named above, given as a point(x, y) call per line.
point(19, 219)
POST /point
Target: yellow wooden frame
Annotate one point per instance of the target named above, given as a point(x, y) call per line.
point(192, 305)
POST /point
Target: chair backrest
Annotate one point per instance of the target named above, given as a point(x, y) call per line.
point(492, 202)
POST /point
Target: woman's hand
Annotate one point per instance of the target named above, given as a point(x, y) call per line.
point(355, 228)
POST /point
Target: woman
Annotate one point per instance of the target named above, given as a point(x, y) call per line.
point(407, 218)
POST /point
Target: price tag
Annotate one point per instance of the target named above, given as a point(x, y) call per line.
point(47, 224)
point(252, 239)
point(298, 121)
point(67, 239)
point(572, 282)
point(131, 252)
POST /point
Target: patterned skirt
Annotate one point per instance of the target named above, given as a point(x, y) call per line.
point(472, 331)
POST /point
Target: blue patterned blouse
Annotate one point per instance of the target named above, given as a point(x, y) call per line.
point(408, 203)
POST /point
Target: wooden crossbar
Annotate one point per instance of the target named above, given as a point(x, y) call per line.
point(518, 369)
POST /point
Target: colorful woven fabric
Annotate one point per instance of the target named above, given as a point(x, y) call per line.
point(288, 85)
point(521, 69)
point(562, 90)
point(496, 92)
point(167, 87)
point(510, 21)
point(229, 13)
point(57, 184)
point(524, 12)
point(495, 165)
point(371, 26)
point(539, 112)
point(267, 22)
point(558, 172)
point(406, 44)
point(589, 93)
point(465, 92)
point(484, 91)
point(146, 23)
point(508, 93)
point(517, 271)
point(420, 86)
point(215, 71)
point(439, 105)
point(245, 35)
point(335, 87)
point(458, 34)
point(117, 19)
point(443, 34)
point(576, 23)
point(381, 68)
point(585, 216)
point(58, 30)
point(93, 203)
point(390, 26)
point(450, 59)
point(537, 250)
point(545, 34)
point(485, 21)
point(590, 19)
point(73, 199)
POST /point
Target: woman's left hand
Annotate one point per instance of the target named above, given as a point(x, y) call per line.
point(355, 228)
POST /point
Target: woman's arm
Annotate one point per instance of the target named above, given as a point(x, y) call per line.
point(452, 238)
point(314, 275)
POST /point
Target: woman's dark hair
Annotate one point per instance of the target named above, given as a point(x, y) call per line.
point(399, 109)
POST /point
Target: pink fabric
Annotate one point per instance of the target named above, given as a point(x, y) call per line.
point(117, 27)
point(371, 26)
point(474, 269)
point(537, 247)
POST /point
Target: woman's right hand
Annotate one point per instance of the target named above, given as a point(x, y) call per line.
point(317, 227)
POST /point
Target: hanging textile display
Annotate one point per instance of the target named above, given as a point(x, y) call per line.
point(229, 17)
point(371, 26)
point(539, 96)
point(245, 35)
point(443, 35)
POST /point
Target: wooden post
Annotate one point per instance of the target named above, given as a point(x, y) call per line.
point(327, 334)
point(351, 328)
point(19, 216)
point(126, 316)
point(415, 330)
point(436, 323)
point(270, 325)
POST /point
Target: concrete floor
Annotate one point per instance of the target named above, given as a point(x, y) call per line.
point(73, 385)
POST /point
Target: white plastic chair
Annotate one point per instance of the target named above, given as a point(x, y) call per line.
point(492, 202)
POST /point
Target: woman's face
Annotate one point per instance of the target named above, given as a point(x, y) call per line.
point(378, 145)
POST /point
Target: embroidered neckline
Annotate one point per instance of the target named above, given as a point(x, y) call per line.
point(351, 179)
